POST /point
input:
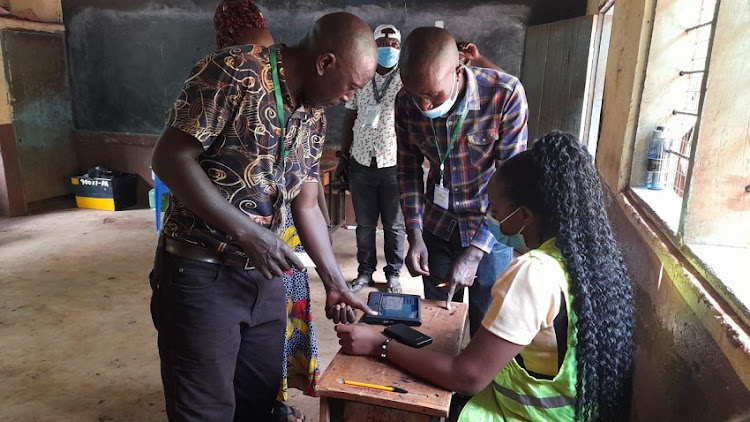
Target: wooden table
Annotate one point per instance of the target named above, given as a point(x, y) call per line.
point(423, 402)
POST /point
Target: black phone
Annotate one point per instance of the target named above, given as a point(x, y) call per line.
point(407, 335)
point(394, 308)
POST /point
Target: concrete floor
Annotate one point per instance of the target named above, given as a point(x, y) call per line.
point(78, 343)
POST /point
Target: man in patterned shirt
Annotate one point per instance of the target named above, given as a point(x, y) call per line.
point(465, 121)
point(369, 150)
point(243, 141)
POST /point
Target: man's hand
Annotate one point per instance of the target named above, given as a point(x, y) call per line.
point(469, 51)
point(464, 270)
point(359, 340)
point(269, 254)
point(340, 305)
point(416, 258)
point(342, 168)
point(341, 175)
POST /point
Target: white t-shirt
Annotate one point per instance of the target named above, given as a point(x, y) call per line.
point(380, 142)
point(526, 298)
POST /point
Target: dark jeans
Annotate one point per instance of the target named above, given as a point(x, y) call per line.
point(375, 193)
point(221, 339)
point(440, 256)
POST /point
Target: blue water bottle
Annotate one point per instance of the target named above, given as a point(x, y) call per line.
point(655, 170)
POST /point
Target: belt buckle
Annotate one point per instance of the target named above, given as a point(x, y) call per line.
point(247, 266)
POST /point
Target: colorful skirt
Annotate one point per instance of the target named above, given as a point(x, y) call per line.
point(300, 369)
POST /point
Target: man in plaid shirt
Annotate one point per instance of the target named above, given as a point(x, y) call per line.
point(465, 121)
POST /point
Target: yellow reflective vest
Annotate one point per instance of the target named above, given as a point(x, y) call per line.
point(514, 395)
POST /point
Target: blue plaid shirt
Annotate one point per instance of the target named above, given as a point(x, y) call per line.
point(494, 130)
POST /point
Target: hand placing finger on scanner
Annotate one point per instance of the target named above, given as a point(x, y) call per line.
point(341, 304)
point(463, 272)
point(270, 255)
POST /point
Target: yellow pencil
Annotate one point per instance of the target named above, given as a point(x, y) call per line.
point(375, 386)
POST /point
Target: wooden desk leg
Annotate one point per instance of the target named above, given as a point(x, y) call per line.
point(331, 410)
point(325, 412)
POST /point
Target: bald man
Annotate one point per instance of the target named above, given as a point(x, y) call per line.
point(465, 121)
point(243, 142)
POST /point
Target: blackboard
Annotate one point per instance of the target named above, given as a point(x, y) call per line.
point(129, 58)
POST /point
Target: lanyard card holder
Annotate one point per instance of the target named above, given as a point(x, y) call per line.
point(371, 116)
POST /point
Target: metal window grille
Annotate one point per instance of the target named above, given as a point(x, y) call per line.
point(685, 116)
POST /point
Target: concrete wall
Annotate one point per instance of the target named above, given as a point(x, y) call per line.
point(692, 350)
point(681, 373)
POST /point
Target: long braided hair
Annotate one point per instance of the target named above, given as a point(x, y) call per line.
point(557, 180)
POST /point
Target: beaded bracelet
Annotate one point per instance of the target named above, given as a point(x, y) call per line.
point(383, 349)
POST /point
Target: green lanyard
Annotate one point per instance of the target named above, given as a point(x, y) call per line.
point(279, 103)
point(379, 94)
point(451, 144)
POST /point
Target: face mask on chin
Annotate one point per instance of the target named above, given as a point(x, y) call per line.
point(444, 108)
point(388, 56)
point(515, 241)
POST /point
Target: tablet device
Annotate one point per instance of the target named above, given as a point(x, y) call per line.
point(393, 308)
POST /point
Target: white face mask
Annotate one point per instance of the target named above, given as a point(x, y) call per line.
point(444, 108)
point(515, 241)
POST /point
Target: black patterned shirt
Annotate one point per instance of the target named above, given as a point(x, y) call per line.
point(228, 104)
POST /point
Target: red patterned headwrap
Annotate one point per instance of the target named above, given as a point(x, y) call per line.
point(233, 15)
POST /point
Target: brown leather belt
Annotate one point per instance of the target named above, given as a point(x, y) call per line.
point(197, 253)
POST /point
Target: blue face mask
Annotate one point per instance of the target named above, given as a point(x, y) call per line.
point(388, 56)
point(515, 241)
point(438, 111)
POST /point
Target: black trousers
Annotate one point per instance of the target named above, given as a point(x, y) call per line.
point(221, 339)
point(375, 193)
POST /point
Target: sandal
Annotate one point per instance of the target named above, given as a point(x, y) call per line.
point(360, 282)
point(284, 413)
point(394, 285)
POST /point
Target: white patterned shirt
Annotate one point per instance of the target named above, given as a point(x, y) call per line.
point(380, 142)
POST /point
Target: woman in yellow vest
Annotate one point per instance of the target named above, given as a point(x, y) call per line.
point(557, 341)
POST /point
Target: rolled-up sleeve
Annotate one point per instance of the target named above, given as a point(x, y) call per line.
point(483, 239)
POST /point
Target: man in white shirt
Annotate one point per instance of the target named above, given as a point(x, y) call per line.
point(369, 151)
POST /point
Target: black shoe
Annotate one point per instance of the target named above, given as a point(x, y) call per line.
point(394, 285)
point(360, 282)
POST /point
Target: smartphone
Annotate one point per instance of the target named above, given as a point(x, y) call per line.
point(407, 335)
point(394, 308)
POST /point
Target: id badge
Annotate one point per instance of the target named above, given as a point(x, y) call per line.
point(371, 117)
point(441, 196)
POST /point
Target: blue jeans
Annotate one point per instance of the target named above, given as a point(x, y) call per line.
point(442, 254)
point(221, 339)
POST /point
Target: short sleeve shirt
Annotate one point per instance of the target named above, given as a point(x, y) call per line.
point(377, 142)
point(228, 104)
point(526, 298)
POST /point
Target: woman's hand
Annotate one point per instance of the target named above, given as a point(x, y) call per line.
point(359, 339)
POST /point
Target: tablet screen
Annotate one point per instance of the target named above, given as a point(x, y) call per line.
point(398, 307)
